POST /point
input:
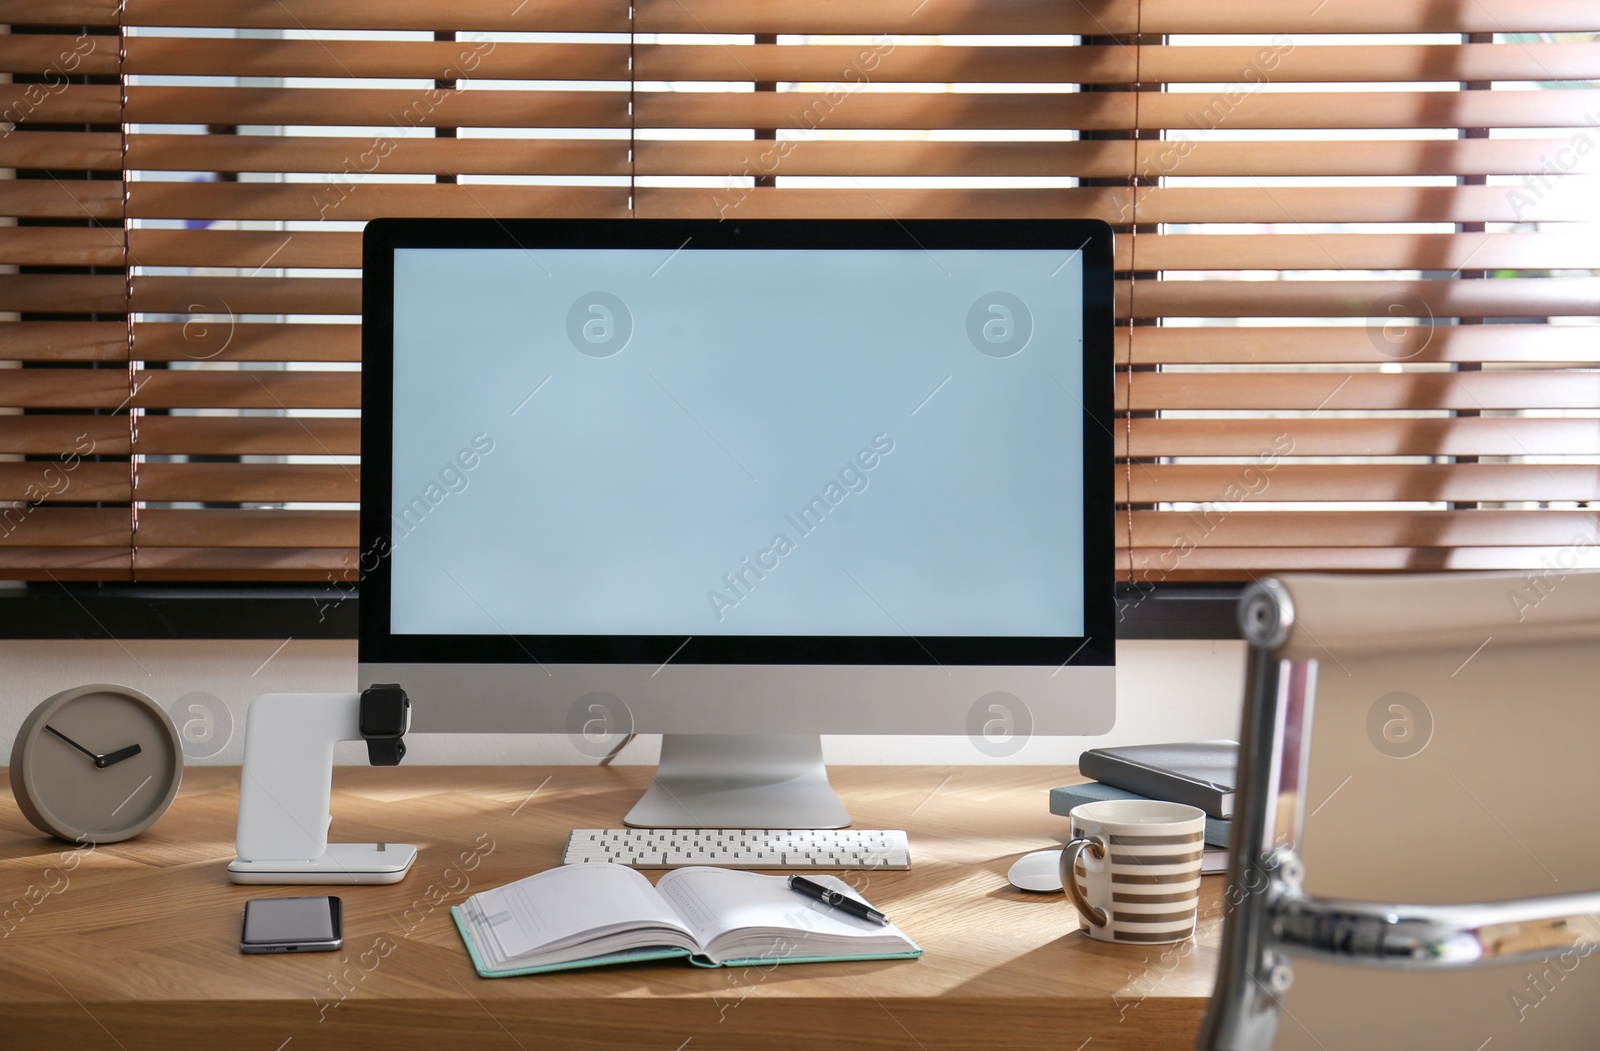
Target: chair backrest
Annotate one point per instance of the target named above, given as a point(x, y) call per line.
point(1455, 759)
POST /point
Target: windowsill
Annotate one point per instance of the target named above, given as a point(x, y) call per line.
point(267, 611)
point(176, 611)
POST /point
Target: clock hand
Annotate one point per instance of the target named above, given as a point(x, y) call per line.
point(118, 756)
point(97, 759)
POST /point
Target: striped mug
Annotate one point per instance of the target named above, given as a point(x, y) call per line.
point(1133, 869)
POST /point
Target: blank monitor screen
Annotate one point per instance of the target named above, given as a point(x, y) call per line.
point(780, 442)
point(834, 442)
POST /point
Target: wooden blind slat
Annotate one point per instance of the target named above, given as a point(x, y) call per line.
point(48, 435)
point(408, 108)
point(97, 151)
point(1366, 16)
point(1108, 159)
point(53, 199)
point(846, 16)
point(1253, 204)
point(206, 528)
point(1367, 391)
point(1231, 483)
point(1361, 529)
point(1378, 343)
point(870, 158)
point(177, 435)
point(250, 435)
point(1145, 566)
point(1116, 17)
point(423, 59)
point(202, 338)
point(1365, 436)
point(55, 482)
point(839, 109)
point(60, 246)
point(250, 250)
point(66, 388)
point(1289, 62)
point(228, 564)
point(1404, 157)
point(249, 389)
point(59, 101)
point(66, 527)
point(1506, 297)
point(63, 341)
point(566, 16)
point(1284, 63)
point(809, 111)
point(60, 54)
point(1368, 109)
point(56, 563)
point(883, 63)
point(823, 16)
point(265, 482)
point(1287, 251)
point(217, 336)
point(243, 295)
point(1348, 204)
point(1111, 204)
point(59, 12)
point(340, 157)
point(357, 201)
point(101, 293)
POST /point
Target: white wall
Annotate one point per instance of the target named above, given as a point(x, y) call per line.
point(1166, 691)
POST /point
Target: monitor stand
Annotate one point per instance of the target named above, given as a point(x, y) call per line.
point(739, 781)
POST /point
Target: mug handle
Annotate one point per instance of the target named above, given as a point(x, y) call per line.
point(1069, 857)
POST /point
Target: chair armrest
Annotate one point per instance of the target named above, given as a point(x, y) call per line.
point(1431, 937)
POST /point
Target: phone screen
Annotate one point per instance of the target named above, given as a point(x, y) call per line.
point(292, 925)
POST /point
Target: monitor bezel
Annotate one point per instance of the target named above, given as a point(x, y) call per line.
point(383, 237)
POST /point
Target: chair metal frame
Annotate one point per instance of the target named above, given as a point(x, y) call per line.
point(1270, 920)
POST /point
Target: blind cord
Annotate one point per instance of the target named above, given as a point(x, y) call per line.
point(127, 289)
point(633, 127)
point(1133, 282)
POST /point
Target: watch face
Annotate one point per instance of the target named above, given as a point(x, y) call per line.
point(96, 764)
point(383, 711)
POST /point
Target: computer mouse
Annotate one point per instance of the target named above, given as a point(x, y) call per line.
point(1039, 871)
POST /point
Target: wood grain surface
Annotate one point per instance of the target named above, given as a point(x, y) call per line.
point(134, 946)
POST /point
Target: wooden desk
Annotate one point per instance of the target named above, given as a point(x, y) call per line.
point(135, 945)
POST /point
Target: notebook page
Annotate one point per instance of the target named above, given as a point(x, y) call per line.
point(714, 900)
point(565, 903)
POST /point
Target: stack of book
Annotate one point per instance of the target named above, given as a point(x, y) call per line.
point(1200, 773)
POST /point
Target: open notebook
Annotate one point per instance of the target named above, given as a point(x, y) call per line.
point(591, 915)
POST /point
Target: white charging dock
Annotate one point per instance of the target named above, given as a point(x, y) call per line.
point(285, 794)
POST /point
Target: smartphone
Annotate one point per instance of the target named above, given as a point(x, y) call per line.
point(292, 925)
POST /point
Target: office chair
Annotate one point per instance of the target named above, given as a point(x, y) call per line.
point(1453, 769)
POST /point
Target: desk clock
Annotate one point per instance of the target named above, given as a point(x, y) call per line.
point(96, 764)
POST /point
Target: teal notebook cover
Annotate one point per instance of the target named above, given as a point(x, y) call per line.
point(664, 953)
point(1063, 799)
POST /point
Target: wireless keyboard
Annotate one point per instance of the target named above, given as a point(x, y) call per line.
point(739, 848)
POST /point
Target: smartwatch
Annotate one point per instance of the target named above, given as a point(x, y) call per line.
point(385, 718)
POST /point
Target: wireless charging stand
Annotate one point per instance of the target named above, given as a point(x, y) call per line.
point(286, 790)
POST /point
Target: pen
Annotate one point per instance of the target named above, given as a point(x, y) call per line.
point(832, 898)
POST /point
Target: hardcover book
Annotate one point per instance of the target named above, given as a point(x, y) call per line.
point(1063, 799)
point(596, 914)
point(1200, 773)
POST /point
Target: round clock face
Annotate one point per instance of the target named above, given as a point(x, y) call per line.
point(96, 764)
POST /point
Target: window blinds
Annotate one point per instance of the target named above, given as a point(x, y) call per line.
point(1357, 291)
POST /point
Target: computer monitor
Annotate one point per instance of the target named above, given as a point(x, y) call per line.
point(742, 483)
